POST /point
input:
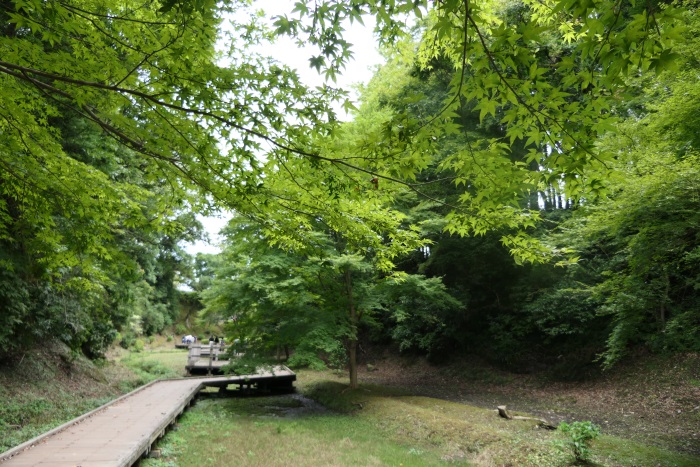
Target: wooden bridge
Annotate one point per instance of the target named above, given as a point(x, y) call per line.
point(123, 431)
point(205, 359)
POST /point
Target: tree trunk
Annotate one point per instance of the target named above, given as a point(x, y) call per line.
point(353, 363)
point(503, 412)
point(664, 300)
point(352, 344)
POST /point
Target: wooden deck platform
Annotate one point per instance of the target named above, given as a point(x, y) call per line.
point(201, 367)
point(203, 359)
point(121, 432)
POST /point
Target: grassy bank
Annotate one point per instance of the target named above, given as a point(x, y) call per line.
point(375, 425)
point(48, 386)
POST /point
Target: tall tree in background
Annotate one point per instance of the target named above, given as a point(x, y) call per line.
point(635, 283)
point(315, 301)
point(639, 247)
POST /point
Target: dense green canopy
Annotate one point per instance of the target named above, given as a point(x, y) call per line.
point(120, 119)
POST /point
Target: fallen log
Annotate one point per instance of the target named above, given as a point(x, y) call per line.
point(503, 412)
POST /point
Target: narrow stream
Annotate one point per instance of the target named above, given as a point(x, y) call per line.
point(291, 405)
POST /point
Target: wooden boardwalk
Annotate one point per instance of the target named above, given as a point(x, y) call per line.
point(123, 431)
point(203, 359)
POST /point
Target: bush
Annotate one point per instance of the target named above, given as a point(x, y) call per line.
point(127, 340)
point(98, 340)
point(153, 320)
point(581, 434)
point(301, 359)
point(138, 345)
point(337, 357)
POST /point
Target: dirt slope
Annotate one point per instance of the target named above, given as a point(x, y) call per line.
point(651, 399)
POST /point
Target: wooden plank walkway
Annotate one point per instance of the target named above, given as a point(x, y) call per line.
point(203, 359)
point(122, 431)
point(202, 366)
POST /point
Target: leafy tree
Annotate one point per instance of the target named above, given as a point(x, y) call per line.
point(314, 300)
point(637, 270)
point(553, 102)
point(420, 310)
point(149, 79)
point(80, 271)
point(114, 119)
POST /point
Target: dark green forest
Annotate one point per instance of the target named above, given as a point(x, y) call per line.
point(519, 181)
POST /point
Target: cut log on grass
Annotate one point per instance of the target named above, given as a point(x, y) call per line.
point(503, 412)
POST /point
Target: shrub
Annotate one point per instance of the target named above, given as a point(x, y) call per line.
point(127, 340)
point(138, 345)
point(302, 359)
point(153, 319)
point(580, 436)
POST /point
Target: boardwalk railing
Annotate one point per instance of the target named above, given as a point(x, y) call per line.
point(203, 358)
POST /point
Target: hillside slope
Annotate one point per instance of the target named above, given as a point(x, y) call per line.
point(650, 399)
point(47, 386)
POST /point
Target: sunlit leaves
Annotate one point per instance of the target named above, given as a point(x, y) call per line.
point(547, 71)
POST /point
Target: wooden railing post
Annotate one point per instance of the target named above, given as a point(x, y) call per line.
point(211, 356)
point(193, 354)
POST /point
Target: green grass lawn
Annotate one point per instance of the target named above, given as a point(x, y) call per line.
point(168, 363)
point(250, 431)
point(376, 426)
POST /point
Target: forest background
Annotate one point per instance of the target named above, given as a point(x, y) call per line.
point(519, 180)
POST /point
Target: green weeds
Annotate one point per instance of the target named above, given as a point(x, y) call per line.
point(156, 365)
point(581, 434)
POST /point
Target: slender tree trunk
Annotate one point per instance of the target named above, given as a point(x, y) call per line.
point(353, 363)
point(664, 300)
point(352, 344)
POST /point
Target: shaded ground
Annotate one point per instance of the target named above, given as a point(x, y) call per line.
point(655, 400)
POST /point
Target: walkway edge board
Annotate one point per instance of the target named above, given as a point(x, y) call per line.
point(10, 453)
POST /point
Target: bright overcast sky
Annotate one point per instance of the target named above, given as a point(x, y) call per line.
point(359, 70)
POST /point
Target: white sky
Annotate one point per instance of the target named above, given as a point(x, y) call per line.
point(359, 70)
